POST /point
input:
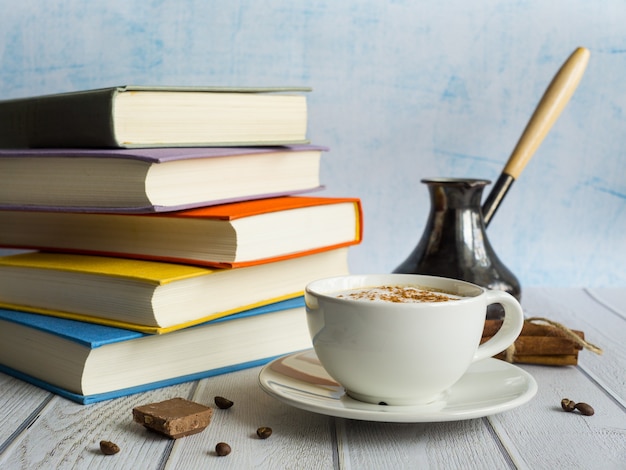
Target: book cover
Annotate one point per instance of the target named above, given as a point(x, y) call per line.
point(178, 357)
point(149, 296)
point(228, 235)
point(153, 180)
point(156, 116)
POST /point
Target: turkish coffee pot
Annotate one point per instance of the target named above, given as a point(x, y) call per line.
point(454, 242)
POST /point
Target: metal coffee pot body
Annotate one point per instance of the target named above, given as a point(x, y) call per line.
point(454, 242)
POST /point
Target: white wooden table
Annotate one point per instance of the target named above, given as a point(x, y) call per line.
point(40, 430)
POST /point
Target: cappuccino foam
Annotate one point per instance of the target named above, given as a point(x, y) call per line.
point(397, 294)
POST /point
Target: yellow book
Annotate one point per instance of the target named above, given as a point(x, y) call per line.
point(150, 296)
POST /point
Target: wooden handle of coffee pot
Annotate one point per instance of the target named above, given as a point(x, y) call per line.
point(554, 99)
point(552, 103)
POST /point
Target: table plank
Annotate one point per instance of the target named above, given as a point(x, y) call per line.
point(611, 297)
point(576, 309)
point(67, 435)
point(299, 439)
point(541, 435)
point(462, 444)
point(20, 403)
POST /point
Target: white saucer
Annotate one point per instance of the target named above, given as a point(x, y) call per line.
point(490, 386)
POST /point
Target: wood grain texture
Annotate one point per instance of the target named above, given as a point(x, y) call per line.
point(461, 444)
point(576, 309)
point(541, 435)
point(299, 439)
point(611, 297)
point(67, 435)
point(19, 402)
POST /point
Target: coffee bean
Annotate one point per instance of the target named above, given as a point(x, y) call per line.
point(223, 403)
point(264, 432)
point(222, 449)
point(567, 404)
point(109, 448)
point(584, 409)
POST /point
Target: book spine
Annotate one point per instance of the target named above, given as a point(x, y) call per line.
point(80, 119)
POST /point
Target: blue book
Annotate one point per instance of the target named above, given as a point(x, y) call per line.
point(87, 362)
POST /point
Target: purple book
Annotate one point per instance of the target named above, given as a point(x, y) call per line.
point(153, 179)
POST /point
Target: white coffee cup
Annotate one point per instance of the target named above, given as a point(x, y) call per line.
point(404, 353)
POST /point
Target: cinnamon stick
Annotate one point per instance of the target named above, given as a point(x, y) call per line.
point(546, 360)
point(543, 345)
point(529, 329)
point(538, 344)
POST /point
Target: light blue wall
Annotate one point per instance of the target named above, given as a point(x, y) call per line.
point(402, 90)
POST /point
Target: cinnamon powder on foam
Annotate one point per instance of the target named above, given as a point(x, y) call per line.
point(397, 294)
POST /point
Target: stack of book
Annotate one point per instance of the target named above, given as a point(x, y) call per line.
point(168, 231)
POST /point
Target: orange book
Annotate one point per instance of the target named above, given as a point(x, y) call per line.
point(227, 235)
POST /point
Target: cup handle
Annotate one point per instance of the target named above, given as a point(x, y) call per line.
point(511, 326)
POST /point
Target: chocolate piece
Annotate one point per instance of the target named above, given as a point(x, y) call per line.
point(174, 418)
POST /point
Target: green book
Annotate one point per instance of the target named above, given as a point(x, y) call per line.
point(156, 116)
